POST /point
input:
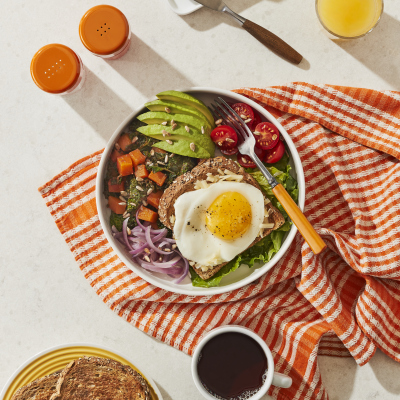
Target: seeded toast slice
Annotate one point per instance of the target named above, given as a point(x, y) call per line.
point(93, 378)
point(39, 389)
point(186, 183)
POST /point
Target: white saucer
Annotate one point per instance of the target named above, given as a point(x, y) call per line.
point(184, 7)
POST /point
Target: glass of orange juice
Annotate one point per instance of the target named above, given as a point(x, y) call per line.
point(348, 19)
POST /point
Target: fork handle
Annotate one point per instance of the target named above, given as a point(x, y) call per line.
point(273, 42)
point(303, 225)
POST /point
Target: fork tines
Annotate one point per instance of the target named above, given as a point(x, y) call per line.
point(234, 119)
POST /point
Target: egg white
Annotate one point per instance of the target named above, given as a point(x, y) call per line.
point(193, 238)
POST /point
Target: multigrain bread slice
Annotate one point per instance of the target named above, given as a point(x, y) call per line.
point(39, 389)
point(93, 378)
point(187, 182)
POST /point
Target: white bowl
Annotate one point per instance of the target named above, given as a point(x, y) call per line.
point(183, 7)
point(243, 275)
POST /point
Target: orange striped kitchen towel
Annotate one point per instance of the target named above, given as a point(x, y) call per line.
point(344, 302)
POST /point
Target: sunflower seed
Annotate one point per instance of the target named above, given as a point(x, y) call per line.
point(171, 155)
point(160, 162)
point(117, 146)
point(169, 141)
point(187, 128)
point(173, 126)
point(164, 123)
point(165, 133)
point(133, 204)
point(150, 164)
point(126, 215)
point(242, 116)
point(167, 110)
point(122, 204)
point(149, 191)
point(144, 202)
point(173, 122)
point(139, 179)
point(128, 230)
point(147, 258)
point(192, 146)
point(139, 188)
point(135, 139)
point(174, 246)
point(202, 130)
point(218, 121)
point(151, 152)
point(247, 121)
point(122, 198)
point(166, 159)
point(146, 250)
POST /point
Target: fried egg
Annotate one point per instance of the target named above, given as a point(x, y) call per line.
point(215, 224)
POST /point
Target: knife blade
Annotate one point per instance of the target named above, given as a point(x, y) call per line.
point(267, 38)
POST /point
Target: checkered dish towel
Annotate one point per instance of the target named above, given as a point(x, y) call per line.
point(344, 302)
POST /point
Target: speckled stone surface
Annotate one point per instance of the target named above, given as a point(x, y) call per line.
point(44, 299)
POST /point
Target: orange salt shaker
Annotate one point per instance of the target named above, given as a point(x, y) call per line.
point(57, 69)
point(105, 32)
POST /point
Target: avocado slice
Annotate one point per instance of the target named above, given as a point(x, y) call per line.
point(184, 98)
point(154, 117)
point(182, 147)
point(176, 108)
point(180, 133)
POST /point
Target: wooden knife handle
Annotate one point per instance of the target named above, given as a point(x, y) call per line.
point(273, 42)
point(303, 225)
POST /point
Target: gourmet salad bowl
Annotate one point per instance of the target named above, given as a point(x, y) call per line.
point(228, 278)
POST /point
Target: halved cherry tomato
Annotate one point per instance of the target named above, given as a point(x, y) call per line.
point(245, 161)
point(245, 112)
point(267, 135)
point(229, 151)
point(224, 136)
point(256, 121)
point(260, 153)
point(275, 154)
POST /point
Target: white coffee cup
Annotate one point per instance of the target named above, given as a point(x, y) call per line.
point(273, 378)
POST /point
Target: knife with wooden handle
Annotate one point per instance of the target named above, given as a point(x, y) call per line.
point(267, 38)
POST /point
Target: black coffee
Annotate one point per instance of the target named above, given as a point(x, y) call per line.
point(231, 364)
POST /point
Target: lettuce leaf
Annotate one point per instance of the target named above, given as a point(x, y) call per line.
point(265, 249)
point(261, 252)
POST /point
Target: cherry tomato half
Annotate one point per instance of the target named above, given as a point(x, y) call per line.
point(275, 154)
point(245, 161)
point(229, 151)
point(224, 136)
point(256, 121)
point(267, 135)
point(260, 153)
point(245, 112)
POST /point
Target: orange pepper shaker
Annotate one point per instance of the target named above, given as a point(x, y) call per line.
point(105, 32)
point(57, 69)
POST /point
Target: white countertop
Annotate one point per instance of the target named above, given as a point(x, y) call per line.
point(44, 298)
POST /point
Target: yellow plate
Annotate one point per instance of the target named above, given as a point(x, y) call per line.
point(57, 358)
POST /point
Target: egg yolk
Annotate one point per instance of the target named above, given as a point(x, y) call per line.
point(229, 216)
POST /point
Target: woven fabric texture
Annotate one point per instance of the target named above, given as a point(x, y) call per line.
point(344, 302)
